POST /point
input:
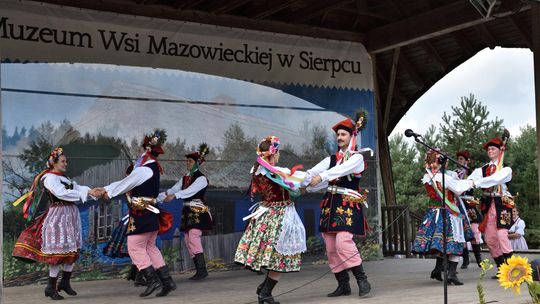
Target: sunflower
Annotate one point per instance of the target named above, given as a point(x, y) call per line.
point(514, 272)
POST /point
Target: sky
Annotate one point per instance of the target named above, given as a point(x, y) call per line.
point(502, 79)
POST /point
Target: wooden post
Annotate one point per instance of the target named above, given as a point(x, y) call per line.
point(383, 152)
point(535, 20)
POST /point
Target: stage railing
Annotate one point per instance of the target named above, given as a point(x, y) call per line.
point(402, 225)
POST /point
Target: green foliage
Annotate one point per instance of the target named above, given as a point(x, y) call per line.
point(216, 265)
point(407, 171)
point(369, 250)
point(532, 236)
point(170, 255)
point(12, 267)
point(521, 156)
point(315, 246)
point(467, 128)
point(13, 221)
point(236, 143)
point(318, 142)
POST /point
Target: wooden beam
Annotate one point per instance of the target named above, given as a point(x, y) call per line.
point(535, 20)
point(383, 151)
point(486, 35)
point(434, 54)
point(158, 11)
point(313, 10)
point(411, 71)
point(382, 79)
point(227, 6)
point(440, 21)
point(391, 85)
point(187, 4)
point(463, 43)
point(522, 31)
point(258, 12)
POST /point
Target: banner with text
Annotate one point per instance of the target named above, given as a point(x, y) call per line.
point(48, 33)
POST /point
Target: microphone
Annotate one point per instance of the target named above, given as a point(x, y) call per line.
point(410, 133)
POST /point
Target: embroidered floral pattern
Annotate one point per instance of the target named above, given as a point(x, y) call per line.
point(256, 249)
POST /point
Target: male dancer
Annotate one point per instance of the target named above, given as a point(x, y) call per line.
point(341, 215)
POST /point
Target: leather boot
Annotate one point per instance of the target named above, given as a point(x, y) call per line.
point(452, 273)
point(361, 278)
point(344, 288)
point(200, 266)
point(259, 288)
point(65, 285)
point(266, 292)
point(436, 273)
point(167, 282)
point(50, 290)
point(465, 258)
point(139, 279)
point(477, 254)
point(498, 261)
point(152, 280)
point(506, 256)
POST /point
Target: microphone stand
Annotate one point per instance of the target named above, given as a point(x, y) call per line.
point(443, 160)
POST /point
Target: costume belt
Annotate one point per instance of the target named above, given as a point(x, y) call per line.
point(491, 194)
point(196, 203)
point(198, 206)
point(346, 191)
point(143, 203)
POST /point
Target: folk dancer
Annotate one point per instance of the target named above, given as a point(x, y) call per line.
point(496, 203)
point(275, 236)
point(54, 238)
point(429, 238)
point(474, 216)
point(144, 218)
point(342, 216)
point(196, 216)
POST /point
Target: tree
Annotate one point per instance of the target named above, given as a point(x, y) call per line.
point(407, 172)
point(467, 128)
point(522, 158)
point(236, 143)
point(317, 148)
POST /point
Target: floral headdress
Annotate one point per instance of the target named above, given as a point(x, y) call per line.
point(273, 149)
point(54, 155)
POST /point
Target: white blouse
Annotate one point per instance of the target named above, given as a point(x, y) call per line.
point(355, 164)
point(198, 184)
point(53, 183)
point(138, 176)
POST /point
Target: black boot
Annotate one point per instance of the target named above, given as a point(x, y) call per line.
point(167, 282)
point(266, 292)
point(139, 279)
point(361, 278)
point(452, 274)
point(465, 258)
point(344, 288)
point(506, 256)
point(259, 288)
point(477, 254)
point(200, 265)
point(436, 273)
point(498, 261)
point(152, 280)
point(50, 290)
point(65, 285)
